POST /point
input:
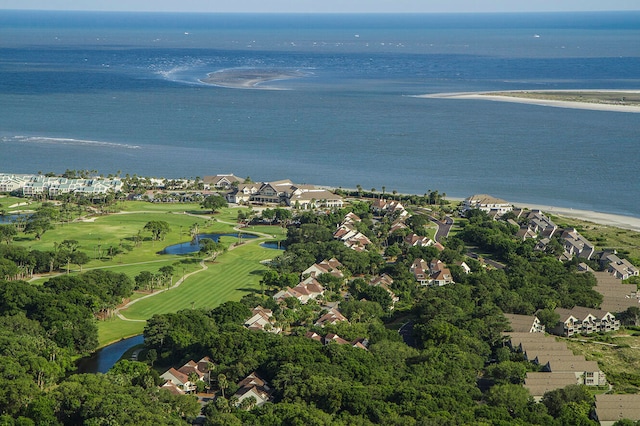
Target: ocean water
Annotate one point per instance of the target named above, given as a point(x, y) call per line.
point(123, 92)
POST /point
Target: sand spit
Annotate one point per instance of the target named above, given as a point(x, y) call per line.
point(513, 97)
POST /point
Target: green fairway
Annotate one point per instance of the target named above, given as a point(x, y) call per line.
point(231, 276)
point(114, 329)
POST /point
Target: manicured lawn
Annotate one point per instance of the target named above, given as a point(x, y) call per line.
point(233, 275)
point(6, 201)
point(114, 329)
point(621, 364)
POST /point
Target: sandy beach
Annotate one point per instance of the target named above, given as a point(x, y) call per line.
point(608, 219)
point(619, 221)
point(488, 96)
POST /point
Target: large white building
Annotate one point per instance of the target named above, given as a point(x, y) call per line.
point(32, 185)
point(486, 203)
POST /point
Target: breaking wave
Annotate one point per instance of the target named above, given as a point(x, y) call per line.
point(66, 141)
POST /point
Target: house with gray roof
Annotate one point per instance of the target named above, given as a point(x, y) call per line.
point(612, 408)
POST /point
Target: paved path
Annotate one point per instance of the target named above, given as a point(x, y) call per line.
point(203, 267)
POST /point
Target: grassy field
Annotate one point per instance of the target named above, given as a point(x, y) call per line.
point(621, 363)
point(593, 97)
point(625, 241)
point(114, 329)
point(231, 276)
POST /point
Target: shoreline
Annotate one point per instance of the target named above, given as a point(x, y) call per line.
point(607, 219)
point(630, 223)
point(494, 96)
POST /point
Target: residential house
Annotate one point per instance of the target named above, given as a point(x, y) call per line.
point(313, 336)
point(465, 268)
point(434, 273)
point(620, 268)
point(581, 320)
point(172, 388)
point(540, 224)
point(414, 240)
point(350, 236)
point(486, 203)
point(613, 408)
point(420, 270)
point(385, 282)
point(304, 291)
point(262, 319)
point(439, 274)
point(540, 383)
point(253, 386)
point(331, 316)
point(182, 377)
point(559, 366)
point(179, 379)
point(331, 266)
point(382, 207)
point(576, 245)
point(525, 323)
point(586, 372)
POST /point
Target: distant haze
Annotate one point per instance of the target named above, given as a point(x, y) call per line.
point(325, 6)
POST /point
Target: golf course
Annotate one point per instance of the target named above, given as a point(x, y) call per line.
point(119, 242)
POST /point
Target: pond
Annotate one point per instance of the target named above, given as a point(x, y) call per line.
point(103, 359)
point(193, 246)
point(11, 218)
point(275, 245)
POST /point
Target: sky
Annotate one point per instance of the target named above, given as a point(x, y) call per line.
point(326, 6)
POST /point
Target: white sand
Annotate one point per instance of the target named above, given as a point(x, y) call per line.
point(487, 96)
point(608, 219)
point(619, 221)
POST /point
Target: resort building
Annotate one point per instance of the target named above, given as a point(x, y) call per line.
point(525, 323)
point(221, 181)
point(613, 408)
point(434, 273)
point(580, 320)
point(284, 192)
point(486, 203)
point(559, 366)
point(576, 245)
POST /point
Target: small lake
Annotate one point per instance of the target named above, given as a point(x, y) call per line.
point(11, 218)
point(103, 359)
point(192, 246)
point(273, 245)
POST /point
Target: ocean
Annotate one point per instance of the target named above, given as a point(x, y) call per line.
point(337, 107)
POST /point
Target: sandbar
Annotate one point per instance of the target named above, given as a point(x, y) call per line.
point(244, 78)
point(526, 97)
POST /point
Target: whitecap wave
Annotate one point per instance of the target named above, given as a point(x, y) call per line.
point(66, 141)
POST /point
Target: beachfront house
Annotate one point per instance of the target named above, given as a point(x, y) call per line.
point(486, 203)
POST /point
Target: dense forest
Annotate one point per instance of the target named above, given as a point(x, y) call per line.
point(451, 367)
point(456, 369)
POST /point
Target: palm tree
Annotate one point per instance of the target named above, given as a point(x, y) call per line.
point(223, 383)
